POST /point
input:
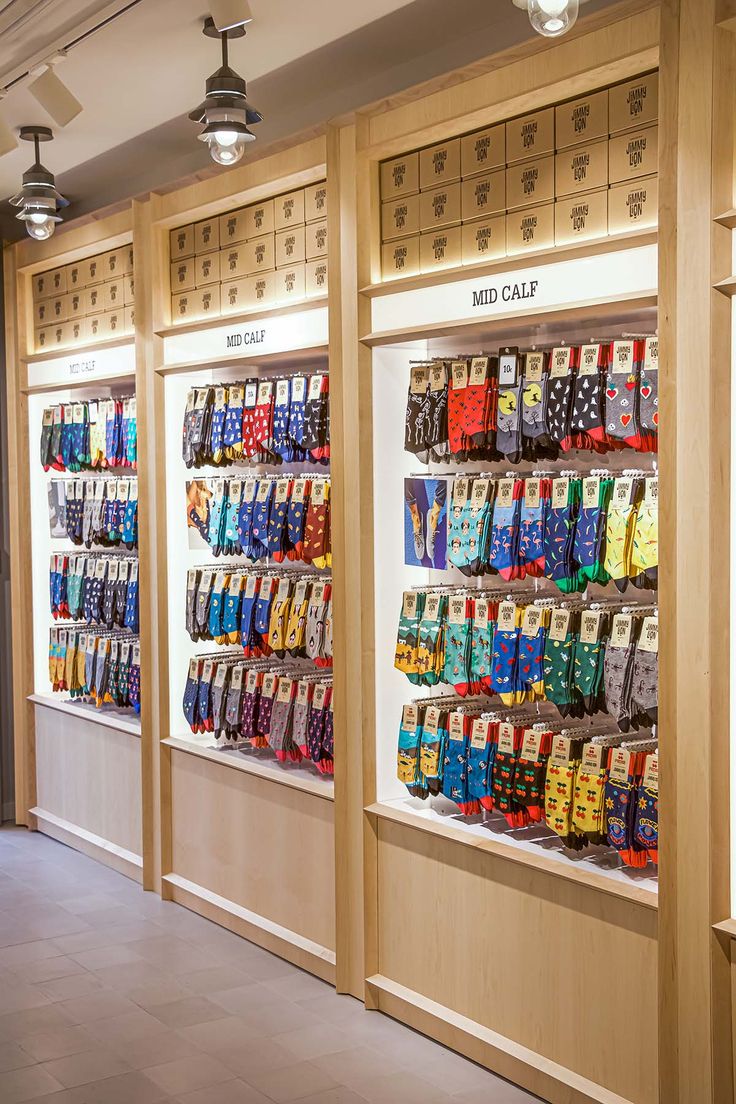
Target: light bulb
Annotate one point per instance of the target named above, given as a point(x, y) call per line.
point(40, 227)
point(226, 137)
point(552, 18)
point(226, 154)
point(39, 218)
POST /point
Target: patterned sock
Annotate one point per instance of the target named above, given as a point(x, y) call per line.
point(563, 369)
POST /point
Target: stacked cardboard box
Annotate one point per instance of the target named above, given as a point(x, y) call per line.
point(85, 302)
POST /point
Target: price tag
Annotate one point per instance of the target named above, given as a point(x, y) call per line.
point(193, 668)
point(560, 362)
point(534, 368)
point(507, 617)
point(201, 400)
point(235, 490)
point(249, 490)
point(264, 489)
point(590, 626)
point(317, 596)
point(270, 681)
point(508, 367)
point(532, 493)
point(559, 624)
point(649, 635)
point(480, 613)
point(132, 407)
point(220, 398)
point(419, 380)
point(251, 394)
point(620, 765)
point(532, 621)
point(136, 655)
point(79, 489)
point(593, 758)
point(318, 494)
point(460, 491)
point(505, 493)
point(123, 571)
point(192, 579)
point(591, 492)
point(236, 679)
point(236, 582)
point(62, 638)
point(432, 608)
point(110, 490)
point(560, 493)
point(481, 492)
point(409, 606)
point(48, 416)
point(125, 653)
point(560, 753)
point(460, 375)
point(506, 738)
point(431, 723)
point(219, 488)
point(235, 397)
point(437, 377)
point(299, 388)
point(89, 488)
point(457, 611)
point(302, 692)
point(315, 387)
point(589, 359)
point(112, 571)
point(457, 727)
point(191, 396)
point(282, 490)
point(651, 354)
point(68, 414)
point(651, 491)
point(479, 733)
point(265, 392)
point(651, 771)
point(282, 392)
point(531, 744)
point(478, 371)
point(621, 630)
point(284, 692)
point(623, 358)
point(221, 675)
point(622, 489)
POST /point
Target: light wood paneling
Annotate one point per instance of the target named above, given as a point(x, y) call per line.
point(264, 847)
point(562, 970)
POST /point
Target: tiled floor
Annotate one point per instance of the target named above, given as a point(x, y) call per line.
point(110, 996)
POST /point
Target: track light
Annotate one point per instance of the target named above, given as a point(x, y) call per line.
point(38, 198)
point(227, 14)
point(225, 111)
point(550, 18)
point(55, 98)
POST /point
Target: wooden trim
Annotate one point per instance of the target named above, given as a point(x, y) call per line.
point(272, 773)
point(596, 881)
point(109, 854)
point(81, 350)
point(84, 712)
point(525, 1067)
point(294, 357)
point(235, 320)
point(295, 948)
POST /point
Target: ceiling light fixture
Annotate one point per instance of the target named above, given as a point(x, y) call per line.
point(550, 18)
point(38, 199)
point(54, 97)
point(227, 14)
point(225, 111)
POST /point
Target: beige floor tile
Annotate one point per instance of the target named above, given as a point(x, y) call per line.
point(81, 1069)
point(152, 1049)
point(47, 969)
point(137, 1024)
point(97, 1006)
point(187, 1074)
point(191, 1010)
point(400, 1088)
point(67, 988)
point(254, 1057)
point(293, 1082)
point(27, 1084)
point(315, 1041)
point(12, 1056)
point(229, 1092)
point(216, 1035)
point(59, 1044)
point(214, 979)
point(36, 1021)
point(100, 957)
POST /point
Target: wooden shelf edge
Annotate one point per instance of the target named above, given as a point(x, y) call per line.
point(726, 287)
point(242, 318)
point(518, 260)
point(83, 711)
point(325, 791)
point(727, 927)
point(727, 218)
point(79, 350)
point(508, 850)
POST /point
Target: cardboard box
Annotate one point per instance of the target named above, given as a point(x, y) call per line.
point(315, 278)
point(581, 217)
point(77, 331)
point(484, 195)
point(400, 177)
point(42, 338)
point(232, 296)
point(484, 240)
point(260, 254)
point(533, 228)
point(233, 262)
point(440, 249)
point(290, 247)
point(207, 269)
point(633, 206)
point(94, 327)
point(633, 155)
point(315, 240)
point(400, 217)
point(127, 259)
point(530, 136)
point(128, 290)
point(315, 202)
point(233, 228)
point(129, 315)
point(183, 307)
point(439, 165)
point(440, 207)
point(400, 259)
point(289, 284)
point(50, 283)
point(582, 168)
point(58, 336)
point(181, 243)
point(93, 271)
point(93, 299)
point(114, 263)
point(482, 151)
point(74, 276)
point(113, 294)
point(182, 276)
point(48, 311)
point(633, 104)
point(288, 210)
point(75, 304)
point(581, 121)
point(207, 300)
point(259, 219)
point(114, 322)
point(206, 236)
point(530, 183)
point(260, 291)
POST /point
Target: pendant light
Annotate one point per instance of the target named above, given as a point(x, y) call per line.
point(550, 18)
point(38, 199)
point(225, 111)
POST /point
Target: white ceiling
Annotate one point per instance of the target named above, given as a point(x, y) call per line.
point(148, 65)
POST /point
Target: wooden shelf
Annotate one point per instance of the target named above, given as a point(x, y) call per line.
point(80, 350)
point(612, 882)
point(728, 219)
point(109, 717)
point(726, 287)
point(294, 776)
point(243, 317)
